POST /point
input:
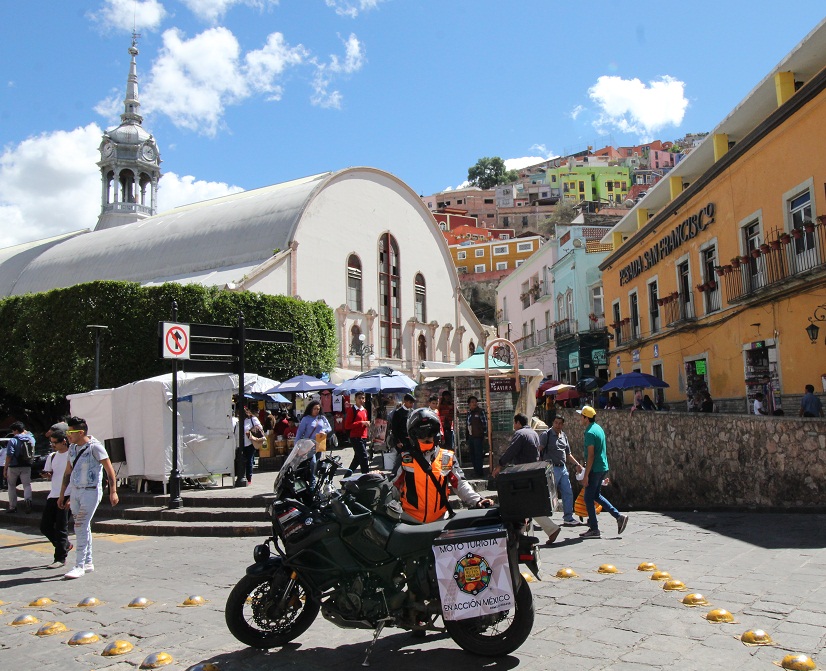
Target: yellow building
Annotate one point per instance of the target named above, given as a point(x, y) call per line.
point(721, 267)
point(494, 255)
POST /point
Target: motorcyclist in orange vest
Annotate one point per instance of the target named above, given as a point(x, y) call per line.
point(426, 472)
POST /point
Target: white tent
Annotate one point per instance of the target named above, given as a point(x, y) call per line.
point(141, 414)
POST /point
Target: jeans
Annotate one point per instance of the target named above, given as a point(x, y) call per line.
point(84, 504)
point(360, 459)
point(592, 493)
point(249, 456)
point(24, 475)
point(54, 525)
point(566, 493)
point(477, 454)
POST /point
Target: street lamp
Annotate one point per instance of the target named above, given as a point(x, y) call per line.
point(359, 349)
point(813, 329)
point(98, 328)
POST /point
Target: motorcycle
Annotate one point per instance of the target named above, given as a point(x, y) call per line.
point(345, 553)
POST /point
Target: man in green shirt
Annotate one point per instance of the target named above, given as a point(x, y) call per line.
point(596, 468)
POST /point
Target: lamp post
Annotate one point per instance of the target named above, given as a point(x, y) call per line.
point(97, 328)
point(359, 349)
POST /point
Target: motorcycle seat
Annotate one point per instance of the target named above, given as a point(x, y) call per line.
point(411, 538)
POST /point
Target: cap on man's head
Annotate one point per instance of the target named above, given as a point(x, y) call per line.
point(587, 411)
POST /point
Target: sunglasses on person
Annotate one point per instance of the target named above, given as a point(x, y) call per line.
point(75, 431)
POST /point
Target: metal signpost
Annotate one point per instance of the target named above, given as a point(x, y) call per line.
point(209, 348)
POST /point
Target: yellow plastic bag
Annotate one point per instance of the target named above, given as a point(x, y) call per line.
point(579, 505)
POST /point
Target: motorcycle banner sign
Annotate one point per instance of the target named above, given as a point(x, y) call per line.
point(473, 572)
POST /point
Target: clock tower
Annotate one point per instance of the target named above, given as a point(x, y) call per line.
point(130, 164)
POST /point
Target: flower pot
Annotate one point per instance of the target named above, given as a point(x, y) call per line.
point(797, 233)
point(735, 263)
point(755, 253)
point(785, 238)
point(720, 271)
point(809, 228)
point(727, 270)
point(711, 285)
point(701, 288)
point(744, 259)
point(774, 244)
point(764, 248)
point(660, 301)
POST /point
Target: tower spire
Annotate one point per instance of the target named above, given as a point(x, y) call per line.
point(131, 105)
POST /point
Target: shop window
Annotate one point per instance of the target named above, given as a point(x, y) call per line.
point(354, 283)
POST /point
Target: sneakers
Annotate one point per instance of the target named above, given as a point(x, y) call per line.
point(591, 533)
point(76, 572)
point(572, 523)
point(622, 522)
point(11, 511)
point(57, 564)
point(89, 568)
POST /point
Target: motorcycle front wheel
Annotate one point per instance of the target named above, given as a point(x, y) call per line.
point(262, 614)
point(496, 635)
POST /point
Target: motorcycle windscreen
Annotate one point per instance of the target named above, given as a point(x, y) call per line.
point(474, 573)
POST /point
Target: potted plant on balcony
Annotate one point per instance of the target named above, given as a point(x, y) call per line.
point(661, 301)
point(711, 285)
point(755, 253)
point(744, 259)
point(797, 233)
point(735, 262)
point(701, 287)
point(774, 244)
point(765, 248)
point(785, 238)
point(809, 226)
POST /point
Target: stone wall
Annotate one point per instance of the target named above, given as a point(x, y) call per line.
point(672, 460)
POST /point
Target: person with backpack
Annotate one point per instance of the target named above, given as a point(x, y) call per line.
point(18, 466)
point(554, 447)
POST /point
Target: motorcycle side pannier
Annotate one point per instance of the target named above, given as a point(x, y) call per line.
point(525, 490)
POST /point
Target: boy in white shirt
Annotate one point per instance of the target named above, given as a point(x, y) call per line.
point(54, 524)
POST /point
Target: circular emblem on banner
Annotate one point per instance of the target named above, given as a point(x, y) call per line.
point(472, 573)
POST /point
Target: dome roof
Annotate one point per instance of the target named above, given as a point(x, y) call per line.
point(129, 133)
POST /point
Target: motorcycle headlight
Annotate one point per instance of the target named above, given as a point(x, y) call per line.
point(261, 552)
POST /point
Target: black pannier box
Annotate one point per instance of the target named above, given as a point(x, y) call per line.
point(525, 490)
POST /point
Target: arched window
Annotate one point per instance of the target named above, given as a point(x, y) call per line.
point(421, 342)
point(354, 283)
point(390, 328)
point(421, 299)
point(471, 349)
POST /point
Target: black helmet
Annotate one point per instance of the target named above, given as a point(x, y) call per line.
point(422, 424)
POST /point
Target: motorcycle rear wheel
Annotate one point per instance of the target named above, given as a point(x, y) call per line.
point(254, 617)
point(496, 635)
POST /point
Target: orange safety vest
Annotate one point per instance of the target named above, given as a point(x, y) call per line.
point(419, 496)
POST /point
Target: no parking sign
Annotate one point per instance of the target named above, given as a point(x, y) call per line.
point(175, 340)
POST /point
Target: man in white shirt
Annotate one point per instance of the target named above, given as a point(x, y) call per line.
point(759, 406)
point(54, 524)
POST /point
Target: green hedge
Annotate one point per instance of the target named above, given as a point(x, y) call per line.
point(49, 353)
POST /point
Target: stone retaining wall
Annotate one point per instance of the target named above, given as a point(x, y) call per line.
point(673, 460)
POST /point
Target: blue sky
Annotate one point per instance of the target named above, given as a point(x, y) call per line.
point(244, 93)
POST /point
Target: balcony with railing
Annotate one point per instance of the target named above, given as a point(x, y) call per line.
point(678, 307)
point(565, 327)
point(784, 257)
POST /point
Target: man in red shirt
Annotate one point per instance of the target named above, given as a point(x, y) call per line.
point(357, 425)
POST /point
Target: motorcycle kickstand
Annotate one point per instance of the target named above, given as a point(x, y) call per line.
point(376, 635)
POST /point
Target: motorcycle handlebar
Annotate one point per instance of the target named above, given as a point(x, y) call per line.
point(343, 513)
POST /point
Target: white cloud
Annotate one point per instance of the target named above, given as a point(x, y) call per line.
point(214, 10)
point(353, 61)
point(523, 162)
point(351, 8)
point(630, 106)
point(129, 14)
point(193, 81)
point(174, 191)
point(579, 109)
point(49, 184)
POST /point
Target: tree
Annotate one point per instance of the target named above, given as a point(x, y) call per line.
point(563, 214)
point(490, 171)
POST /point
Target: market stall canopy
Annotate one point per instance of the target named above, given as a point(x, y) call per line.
point(591, 383)
point(476, 361)
point(547, 384)
point(560, 386)
point(634, 380)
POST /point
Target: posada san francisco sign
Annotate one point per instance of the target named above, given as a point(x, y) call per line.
point(688, 229)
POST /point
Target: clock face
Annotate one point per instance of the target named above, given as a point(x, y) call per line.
point(107, 150)
point(148, 153)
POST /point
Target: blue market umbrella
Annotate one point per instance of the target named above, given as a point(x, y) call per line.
point(300, 384)
point(378, 381)
point(634, 380)
point(591, 383)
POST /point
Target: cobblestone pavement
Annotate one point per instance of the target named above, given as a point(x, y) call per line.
point(768, 570)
